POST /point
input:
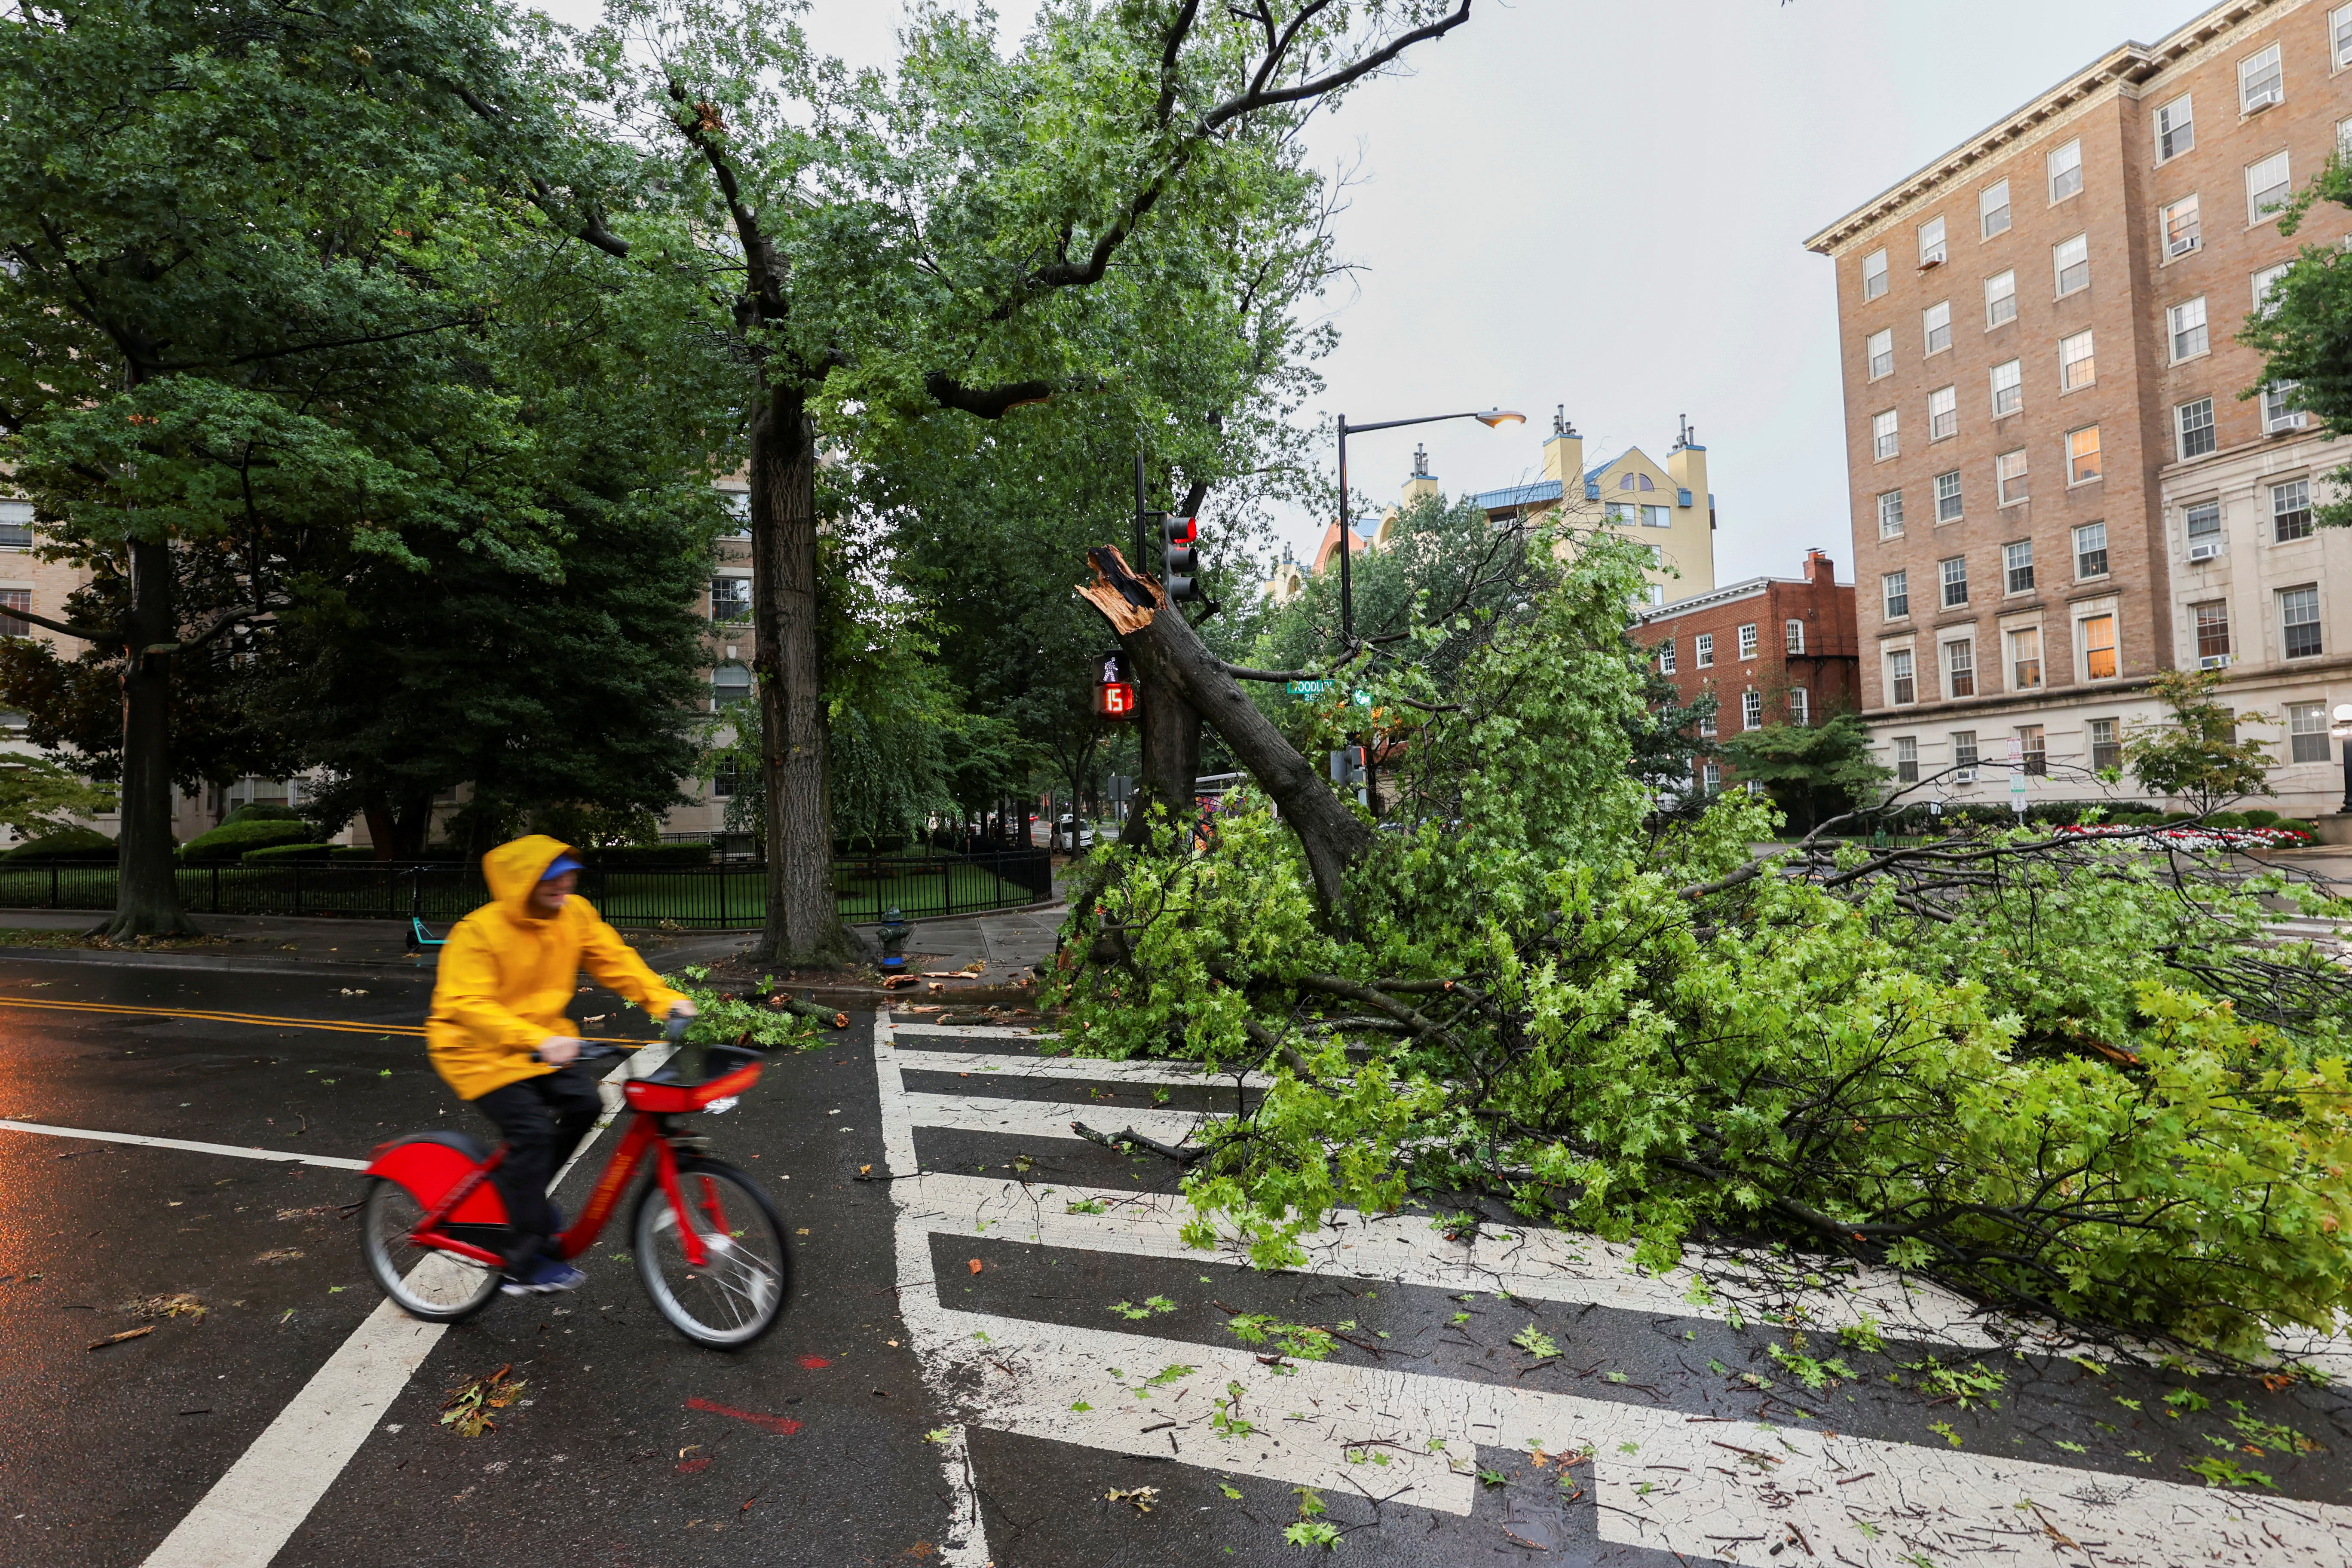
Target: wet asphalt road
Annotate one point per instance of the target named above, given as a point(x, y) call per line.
point(821, 1445)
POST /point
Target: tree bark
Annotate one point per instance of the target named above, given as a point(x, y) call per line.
point(1169, 731)
point(1170, 656)
point(802, 924)
point(147, 892)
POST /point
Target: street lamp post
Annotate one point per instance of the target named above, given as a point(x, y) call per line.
point(1490, 417)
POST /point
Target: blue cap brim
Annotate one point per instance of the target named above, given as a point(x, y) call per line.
point(560, 865)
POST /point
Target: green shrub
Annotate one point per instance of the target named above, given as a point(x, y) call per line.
point(2259, 817)
point(352, 852)
point(2298, 824)
point(281, 853)
point(229, 841)
point(260, 811)
point(73, 843)
point(630, 855)
point(2227, 819)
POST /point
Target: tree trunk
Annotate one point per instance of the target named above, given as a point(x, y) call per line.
point(1170, 656)
point(1170, 733)
point(383, 831)
point(147, 892)
point(802, 923)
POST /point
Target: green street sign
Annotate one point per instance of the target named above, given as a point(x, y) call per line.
point(1307, 688)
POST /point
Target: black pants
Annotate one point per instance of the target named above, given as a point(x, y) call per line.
point(543, 1118)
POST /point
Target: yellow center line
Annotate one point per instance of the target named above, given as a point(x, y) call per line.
point(412, 1031)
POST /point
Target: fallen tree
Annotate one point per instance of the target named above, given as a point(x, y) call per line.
point(2074, 1077)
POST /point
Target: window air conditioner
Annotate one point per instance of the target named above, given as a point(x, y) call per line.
point(1964, 775)
point(2205, 551)
point(2268, 96)
point(1931, 261)
point(2214, 661)
point(2183, 246)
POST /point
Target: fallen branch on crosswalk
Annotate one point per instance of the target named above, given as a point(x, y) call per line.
point(1131, 1139)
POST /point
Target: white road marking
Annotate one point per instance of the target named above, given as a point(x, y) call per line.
point(1665, 1481)
point(1153, 1073)
point(972, 1031)
point(1046, 1118)
point(250, 1153)
point(254, 1509)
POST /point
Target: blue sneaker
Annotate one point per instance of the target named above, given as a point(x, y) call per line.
point(545, 1277)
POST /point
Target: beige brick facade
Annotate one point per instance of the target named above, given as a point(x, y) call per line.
point(2072, 323)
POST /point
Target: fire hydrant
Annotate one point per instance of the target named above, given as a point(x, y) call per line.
point(894, 932)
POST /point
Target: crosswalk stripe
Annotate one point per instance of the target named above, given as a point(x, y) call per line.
point(1046, 1118)
point(1073, 1068)
point(974, 1031)
point(1665, 1480)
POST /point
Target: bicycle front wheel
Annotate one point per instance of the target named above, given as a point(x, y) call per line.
point(736, 1293)
point(438, 1287)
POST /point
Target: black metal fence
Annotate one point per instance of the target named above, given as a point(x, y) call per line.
point(728, 896)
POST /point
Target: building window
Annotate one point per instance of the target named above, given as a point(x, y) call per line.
point(1702, 646)
point(1931, 242)
point(1900, 688)
point(2299, 622)
point(1666, 656)
point(1964, 755)
point(2025, 658)
point(731, 600)
point(1879, 348)
point(2071, 260)
point(2187, 322)
point(1707, 725)
point(1960, 668)
point(1793, 636)
point(1873, 275)
point(738, 504)
point(730, 684)
point(2091, 551)
point(2268, 187)
point(1748, 640)
point(2008, 388)
point(1885, 436)
point(2017, 565)
point(1751, 710)
point(1936, 326)
point(2291, 510)
point(1890, 514)
point(2306, 732)
point(2279, 411)
point(1655, 517)
point(1618, 513)
point(2078, 362)
point(1800, 706)
point(2176, 129)
point(2009, 477)
point(1992, 210)
point(15, 599)
point(2106, 751)
point(1956, 582)
point(2194, 421)
point(2264, 281)
point(2339, 37)
point(15, 524)
point(1943, 414)
point(2204, 525)
point(2033, 751)
point(2083, 455)
point(1948, 496)
point(1896, 587)
point(725, 779)
point(2259, 81)
point(2001, 297)
point(1712, 776)
point(2213, 620)
point(1906, 759)
point(2065, 169)
point(2098, 648)
point(2181, 230)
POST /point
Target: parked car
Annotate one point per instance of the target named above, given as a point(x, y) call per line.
point(1072, 837)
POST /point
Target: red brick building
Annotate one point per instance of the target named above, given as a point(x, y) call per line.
point(1774, 651)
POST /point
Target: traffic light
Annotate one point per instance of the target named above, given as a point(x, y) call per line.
point(1180, 556)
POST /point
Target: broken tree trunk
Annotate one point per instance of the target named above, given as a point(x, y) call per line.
point(1170, 656)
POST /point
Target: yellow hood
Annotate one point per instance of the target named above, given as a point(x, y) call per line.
point(512, 870)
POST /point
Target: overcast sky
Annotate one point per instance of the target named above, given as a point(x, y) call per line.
point(1605, 205)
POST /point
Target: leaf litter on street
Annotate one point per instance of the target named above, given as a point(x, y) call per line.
point(467, 1409)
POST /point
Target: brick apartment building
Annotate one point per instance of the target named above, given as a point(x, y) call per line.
point(1774, 650)
point(2057, 490)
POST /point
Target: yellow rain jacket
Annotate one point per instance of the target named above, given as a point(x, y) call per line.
point(506, 977)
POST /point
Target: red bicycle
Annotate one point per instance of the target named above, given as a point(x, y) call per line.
point(706, 1241)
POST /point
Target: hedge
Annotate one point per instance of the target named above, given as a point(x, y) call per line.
point(261, 812)
point(229, 841)
point(629, 854)
point(73, 843)
point(282, 853)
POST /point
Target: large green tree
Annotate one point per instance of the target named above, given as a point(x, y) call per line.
point(980, 235)
point(2303, 327)
point(242, 243)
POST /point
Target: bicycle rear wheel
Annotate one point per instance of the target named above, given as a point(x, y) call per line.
point(438, 1287)
point(740, 1290)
